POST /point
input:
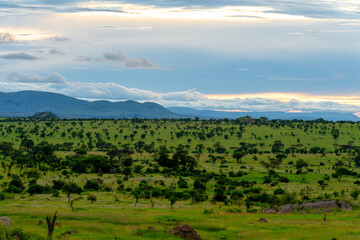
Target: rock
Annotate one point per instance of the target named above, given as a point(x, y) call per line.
point(151, 228)
point(269, 211)
point(185, 231)
point(262, 220)
point(324, 205)
point(344, 205)
point(288, 208)
point(5, 221)
point(302, 213)
point(319, 205)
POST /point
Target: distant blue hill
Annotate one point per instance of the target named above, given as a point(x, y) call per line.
point(206, 114)
point(27, 103)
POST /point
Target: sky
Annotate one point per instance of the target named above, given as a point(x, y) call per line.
point(238, 55)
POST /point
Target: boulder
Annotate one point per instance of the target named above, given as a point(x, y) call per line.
point(331, 204)
point(5, 221)
point(185, 231)
point(288, 208)
point(326, 206)
point(268, 211)
point(344, 205)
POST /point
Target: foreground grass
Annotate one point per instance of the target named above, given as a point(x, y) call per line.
point(121, 220)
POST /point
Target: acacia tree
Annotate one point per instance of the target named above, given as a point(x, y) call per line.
point(119, 156)
point(300, 164)
point(339, 172)
point(322, 184)
point(335, 133)
point(238, 155)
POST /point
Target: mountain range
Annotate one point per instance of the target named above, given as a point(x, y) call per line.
point(331, 116)
point(27, 103)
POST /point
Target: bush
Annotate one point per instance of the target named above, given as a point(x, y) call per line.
point(17, 233)
point(279, 191)
point(2, 196)
point(208, 212)
point(91, 185)
point(92, 198)
point(355, 194)
point(13, 189)
point(233, 210)
point(35, 189)
point(182, 183)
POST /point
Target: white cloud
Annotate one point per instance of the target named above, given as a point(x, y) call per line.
point(55, 82)
point(33, 78)
point(6, 37)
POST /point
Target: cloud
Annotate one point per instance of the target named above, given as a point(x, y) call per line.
point(61, 38)
point(119, 56)
point(139, 63)
point(140, 28)
point(115, 56)
point(6, 37)
point(33, 78)
point(19, 56)
point(82, 58)
point(55, 52)
point(55, 82)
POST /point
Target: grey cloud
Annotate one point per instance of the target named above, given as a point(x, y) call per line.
point(61, 38)
point(115, 56)
point(19, 56)
point(6, 37)
point(33, 78)
point(139, 63)
point(129, 63)
point(55, 52)
point(82, 58)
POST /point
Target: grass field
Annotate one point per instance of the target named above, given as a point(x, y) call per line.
point(108, 220)
point(114, 214)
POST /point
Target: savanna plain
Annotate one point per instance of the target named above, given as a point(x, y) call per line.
point(137, 178)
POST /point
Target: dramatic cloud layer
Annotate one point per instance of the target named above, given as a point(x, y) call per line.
point(221, 48)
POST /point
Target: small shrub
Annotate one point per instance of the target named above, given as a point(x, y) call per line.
point(92, 198)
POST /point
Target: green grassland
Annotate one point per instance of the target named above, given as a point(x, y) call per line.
point(116, 213)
